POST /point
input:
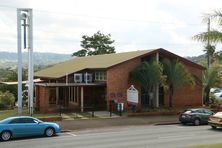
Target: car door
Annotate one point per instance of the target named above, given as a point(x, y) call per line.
point(206, 115)
point(33, 127)
point(17, 127)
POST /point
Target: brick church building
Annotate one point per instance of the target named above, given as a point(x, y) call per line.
point(96, 80)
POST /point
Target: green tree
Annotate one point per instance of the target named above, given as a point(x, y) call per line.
point(148, 76)
point(11, 76)
point(218, 57)
point(211, 78)
point(7, 99)
point(213, 35)
point(95, 45)
point(176, 75)
point(210, 51)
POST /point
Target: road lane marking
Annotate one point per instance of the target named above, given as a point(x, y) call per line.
point(180, 127)
point(174, 137)
point(74, 135)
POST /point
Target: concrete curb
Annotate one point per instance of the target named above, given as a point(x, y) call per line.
point(153, 114)
point(155, 124)
point(66, 131)
point(167, 123)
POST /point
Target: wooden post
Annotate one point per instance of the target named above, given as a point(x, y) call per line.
point(82, 99)
point(57, 95)
point(157, 86)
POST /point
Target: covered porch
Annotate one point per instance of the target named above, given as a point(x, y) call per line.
point(54, 97)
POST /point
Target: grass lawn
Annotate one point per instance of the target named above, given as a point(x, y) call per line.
point(81, 115)
point(206, 146)
point(9, 113)
point(87, 115)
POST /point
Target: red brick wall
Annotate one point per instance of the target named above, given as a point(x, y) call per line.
point(117, 80)
point(43, 99)
point(185, 95)
point(37, 93)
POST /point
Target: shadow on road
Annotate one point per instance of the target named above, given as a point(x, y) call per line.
point(216, 130)
point(27, 138)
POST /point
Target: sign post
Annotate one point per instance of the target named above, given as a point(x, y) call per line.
point(132, 97)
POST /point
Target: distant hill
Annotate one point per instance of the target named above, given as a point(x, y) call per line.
point(197, 59)
point(9, 59)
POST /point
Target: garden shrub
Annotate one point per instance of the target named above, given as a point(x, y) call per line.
point(7, 99)
point(3, 106)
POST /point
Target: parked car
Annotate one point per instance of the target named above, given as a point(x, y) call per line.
point(217, 92)
point(24, 126)
point(218, 95)
point(215, 120)
point(195, 116)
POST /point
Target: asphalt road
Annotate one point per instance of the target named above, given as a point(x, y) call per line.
point(162, 136)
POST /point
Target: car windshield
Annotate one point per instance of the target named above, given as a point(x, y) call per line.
point(37, 120)
point(6, 120)
point(187, 112)
point(217, 90)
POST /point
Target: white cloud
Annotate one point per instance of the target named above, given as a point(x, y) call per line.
point(133, 24)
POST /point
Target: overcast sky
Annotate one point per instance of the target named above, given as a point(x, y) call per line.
point(133, 24)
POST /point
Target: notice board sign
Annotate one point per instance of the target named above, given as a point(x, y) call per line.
point(132, 95)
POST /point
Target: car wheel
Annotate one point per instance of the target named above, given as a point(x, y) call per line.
point(184, 123)
point(6, 135)
point(49, 132)
point(213, 127)
point(196, 122)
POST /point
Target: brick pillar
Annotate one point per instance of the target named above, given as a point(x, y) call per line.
point(66, 96)
point(37, 95)
point(157, 86)
point(44, 99)
point(82, 99)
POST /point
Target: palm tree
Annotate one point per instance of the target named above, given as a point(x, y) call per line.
point(210, 51)
point(213, 35)
point(148, 75)
point(218, 56)
point(211, 78)
point(176, 75)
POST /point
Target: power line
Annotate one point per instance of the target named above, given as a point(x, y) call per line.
point(118, 19)
point(108, 18)
point(119, 42)
point(104, 18)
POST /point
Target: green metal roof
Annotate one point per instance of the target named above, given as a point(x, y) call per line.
point(89, 62)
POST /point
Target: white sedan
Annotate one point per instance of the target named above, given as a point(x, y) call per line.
point(215, 120)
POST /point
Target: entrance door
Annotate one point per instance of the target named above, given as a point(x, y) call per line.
point(145, 101)
point(61, 95)
point(99, 98)
point(161, 96)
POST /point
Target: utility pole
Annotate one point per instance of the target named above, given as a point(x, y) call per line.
point(19, 50)
point(26, 16)
point(30, 63)
point(208, 44)
point(208, 30)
